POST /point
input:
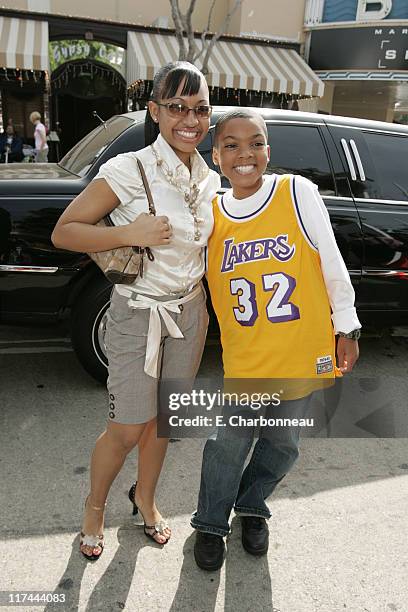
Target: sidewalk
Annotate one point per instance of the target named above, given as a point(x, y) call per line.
point(339, 529)
point(338, 541)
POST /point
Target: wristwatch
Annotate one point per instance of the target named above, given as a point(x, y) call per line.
point(353, 335)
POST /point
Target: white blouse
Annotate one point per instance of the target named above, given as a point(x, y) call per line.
point(179, 265)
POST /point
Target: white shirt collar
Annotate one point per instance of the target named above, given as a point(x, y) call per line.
point(199, 168)
point(241, 209)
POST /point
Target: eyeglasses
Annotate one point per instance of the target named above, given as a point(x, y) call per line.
point(181, 110)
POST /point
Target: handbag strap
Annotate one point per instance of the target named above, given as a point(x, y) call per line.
point(152, 209)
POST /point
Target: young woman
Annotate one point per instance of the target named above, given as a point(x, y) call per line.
point(156, 328)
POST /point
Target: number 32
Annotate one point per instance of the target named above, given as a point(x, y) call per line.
point(278, 309)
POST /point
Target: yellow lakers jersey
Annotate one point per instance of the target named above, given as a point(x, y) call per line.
point(268, 292)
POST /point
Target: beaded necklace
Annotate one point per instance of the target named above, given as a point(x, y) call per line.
point(190, 197)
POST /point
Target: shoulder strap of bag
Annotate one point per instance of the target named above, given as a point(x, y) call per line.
point(152, 209)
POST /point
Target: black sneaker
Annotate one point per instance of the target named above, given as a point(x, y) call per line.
point(209, 551)
point(255, 535)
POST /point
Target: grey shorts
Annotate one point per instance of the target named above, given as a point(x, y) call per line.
point(133, 394)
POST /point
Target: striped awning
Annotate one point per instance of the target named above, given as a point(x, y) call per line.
point(23, 44)
point(239, 65)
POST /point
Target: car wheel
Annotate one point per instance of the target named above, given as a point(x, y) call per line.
point(88, 328)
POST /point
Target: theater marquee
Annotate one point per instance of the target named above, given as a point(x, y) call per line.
point(366, 48)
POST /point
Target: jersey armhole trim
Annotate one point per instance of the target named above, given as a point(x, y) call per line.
point(298, 215)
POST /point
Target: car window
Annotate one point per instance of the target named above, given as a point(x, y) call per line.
point(205, 149)
point(299, 149)
point(81, 157)
point(389, 155)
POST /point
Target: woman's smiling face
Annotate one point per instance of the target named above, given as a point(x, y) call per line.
point(182, 133)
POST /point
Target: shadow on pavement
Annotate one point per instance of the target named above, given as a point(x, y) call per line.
point(112, 589)
point(198, 585)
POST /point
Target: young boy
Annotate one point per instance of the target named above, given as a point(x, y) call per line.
point(275, 275)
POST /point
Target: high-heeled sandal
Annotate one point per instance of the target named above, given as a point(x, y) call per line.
point(157, 527)
point(94, 541)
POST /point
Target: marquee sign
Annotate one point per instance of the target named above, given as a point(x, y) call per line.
point(365, 48)
point(62, 51)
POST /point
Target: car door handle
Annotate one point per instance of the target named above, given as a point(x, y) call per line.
point(40, 269)
point(349, 159)
point(357, 157)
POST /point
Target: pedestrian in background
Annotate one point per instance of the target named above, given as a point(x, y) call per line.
point(11, 146)
point(40, 138)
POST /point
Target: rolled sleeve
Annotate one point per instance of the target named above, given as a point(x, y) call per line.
point(122, 175)
point(345, 320)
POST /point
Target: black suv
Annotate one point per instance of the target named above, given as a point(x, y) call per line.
point(359, 166)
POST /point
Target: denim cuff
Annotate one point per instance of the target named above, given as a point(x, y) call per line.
point(209, 528)
point(244, 511)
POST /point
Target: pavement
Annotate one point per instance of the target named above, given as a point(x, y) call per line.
point(338, 534)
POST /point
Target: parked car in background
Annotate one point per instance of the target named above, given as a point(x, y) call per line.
point(359, 166)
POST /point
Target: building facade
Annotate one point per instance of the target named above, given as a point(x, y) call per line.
point(359, 48)
point(100, 59)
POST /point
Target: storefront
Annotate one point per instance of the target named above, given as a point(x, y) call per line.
point(87, 85)
point(360, 50)
point(73, 71)
point(78, 72)
point(24, 73)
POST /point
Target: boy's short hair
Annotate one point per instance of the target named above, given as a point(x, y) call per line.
point(238, 114)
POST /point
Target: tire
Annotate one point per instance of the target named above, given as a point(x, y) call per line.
point(87, 328)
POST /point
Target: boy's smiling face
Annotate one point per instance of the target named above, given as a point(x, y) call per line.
point(242, 152)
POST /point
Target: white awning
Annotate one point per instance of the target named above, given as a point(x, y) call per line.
point(238, 65)
point(23, 44)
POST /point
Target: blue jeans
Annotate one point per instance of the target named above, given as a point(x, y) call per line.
point(224, 483)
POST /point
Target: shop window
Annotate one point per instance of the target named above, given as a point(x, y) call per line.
point(389, 155)
point(17, 107)
point(299, 149)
